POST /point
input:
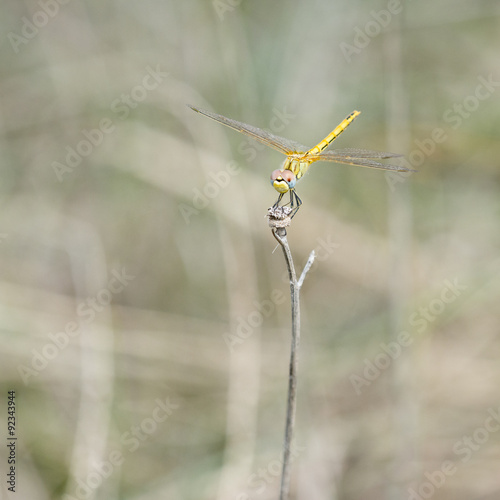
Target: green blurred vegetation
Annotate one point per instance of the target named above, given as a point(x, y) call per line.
point(199, 322)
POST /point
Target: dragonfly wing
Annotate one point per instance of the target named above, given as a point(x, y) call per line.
point(285, 146)
point(357, 153)
point(360, 161)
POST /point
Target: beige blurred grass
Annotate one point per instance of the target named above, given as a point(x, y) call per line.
point(163, 335)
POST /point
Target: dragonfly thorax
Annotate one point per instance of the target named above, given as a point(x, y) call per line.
point(298, 166)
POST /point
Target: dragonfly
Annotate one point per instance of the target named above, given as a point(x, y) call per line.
point(299, 157)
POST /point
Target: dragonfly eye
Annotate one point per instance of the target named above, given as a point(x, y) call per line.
point(283, 180)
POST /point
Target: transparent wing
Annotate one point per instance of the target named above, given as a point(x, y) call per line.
point(356, 153)
point(285, 146)
point(361, 162)
point(360, 158)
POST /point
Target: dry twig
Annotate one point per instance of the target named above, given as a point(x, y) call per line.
point(279, 219)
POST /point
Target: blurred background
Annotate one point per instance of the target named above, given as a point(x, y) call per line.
point(145, 314)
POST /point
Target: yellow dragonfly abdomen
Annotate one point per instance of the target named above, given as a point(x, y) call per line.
point(334, 133)
point(300, 162)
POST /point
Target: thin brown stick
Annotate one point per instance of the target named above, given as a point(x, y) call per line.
point(280, 235)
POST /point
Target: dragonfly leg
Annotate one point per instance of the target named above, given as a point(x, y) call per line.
point(290, 202)
point(280, 197)
point(294, 195)
point(295, 202)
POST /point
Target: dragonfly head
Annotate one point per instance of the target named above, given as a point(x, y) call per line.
point(283, 180)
